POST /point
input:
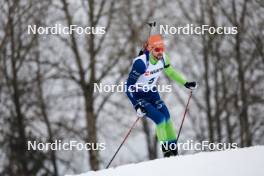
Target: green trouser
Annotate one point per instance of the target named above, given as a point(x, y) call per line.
point(165, 131)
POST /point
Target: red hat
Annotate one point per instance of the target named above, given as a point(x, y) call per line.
point(155, 41)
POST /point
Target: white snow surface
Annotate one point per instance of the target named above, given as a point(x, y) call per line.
point(235, 162)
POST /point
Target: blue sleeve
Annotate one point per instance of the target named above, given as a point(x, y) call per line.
point(138, 69)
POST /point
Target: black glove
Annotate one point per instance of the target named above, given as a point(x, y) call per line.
point(140, 108)
point(141, 112)
point(190, 85)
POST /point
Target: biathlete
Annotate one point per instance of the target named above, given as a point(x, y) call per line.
point(143, 94)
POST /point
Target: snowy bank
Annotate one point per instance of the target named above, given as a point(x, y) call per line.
point(236, 162)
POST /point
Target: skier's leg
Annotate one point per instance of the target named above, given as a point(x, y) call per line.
point(157, 111)
point(160, 105)
point(155, 115)
point(171, 135)
point(163, 138)
point(152, 112)
point(168, 126)
point(161, 127)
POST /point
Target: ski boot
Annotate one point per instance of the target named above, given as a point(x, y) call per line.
point(167, 152)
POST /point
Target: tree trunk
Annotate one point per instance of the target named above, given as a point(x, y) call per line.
point(151, 141)
point(91, 130)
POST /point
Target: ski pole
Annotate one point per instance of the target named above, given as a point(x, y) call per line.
point(128, 133)
point(186, 108)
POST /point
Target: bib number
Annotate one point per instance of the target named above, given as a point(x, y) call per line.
point(151, 80)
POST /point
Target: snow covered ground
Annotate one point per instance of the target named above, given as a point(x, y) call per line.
point(235, 162)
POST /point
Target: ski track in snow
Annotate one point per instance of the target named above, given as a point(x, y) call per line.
point(235, 162)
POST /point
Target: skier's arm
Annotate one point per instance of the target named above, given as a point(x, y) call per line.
point(138, 69)
point(172, 74)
